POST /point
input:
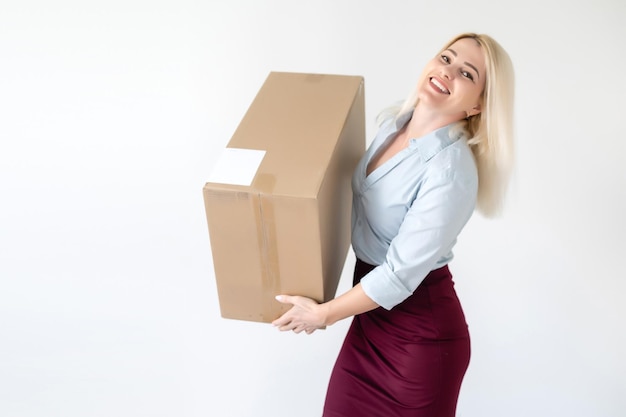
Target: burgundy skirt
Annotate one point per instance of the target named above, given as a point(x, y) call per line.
point(405, 362)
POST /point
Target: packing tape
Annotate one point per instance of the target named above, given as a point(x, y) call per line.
point(268, 244)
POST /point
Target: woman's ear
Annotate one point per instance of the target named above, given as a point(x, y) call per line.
point(474, 110)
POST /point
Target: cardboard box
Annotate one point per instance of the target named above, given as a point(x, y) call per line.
point(288, 232)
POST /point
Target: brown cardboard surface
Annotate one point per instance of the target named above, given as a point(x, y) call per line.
point(289, 231)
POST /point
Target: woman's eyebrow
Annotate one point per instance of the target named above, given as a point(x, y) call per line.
point(473, 67)
point(466, 63)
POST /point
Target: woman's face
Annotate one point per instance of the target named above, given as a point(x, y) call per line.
point(452, 82)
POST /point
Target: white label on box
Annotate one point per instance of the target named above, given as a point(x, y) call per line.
point(237, 166)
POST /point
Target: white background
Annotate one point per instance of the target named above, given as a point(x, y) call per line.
point(112, 115)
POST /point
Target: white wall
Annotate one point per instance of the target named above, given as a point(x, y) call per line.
point(111, 116)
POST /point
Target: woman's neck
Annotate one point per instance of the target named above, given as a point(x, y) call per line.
point(424, 121)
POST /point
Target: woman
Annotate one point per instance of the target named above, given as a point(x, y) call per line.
point(445, 151)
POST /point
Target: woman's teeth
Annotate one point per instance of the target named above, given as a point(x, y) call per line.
point(439, 86)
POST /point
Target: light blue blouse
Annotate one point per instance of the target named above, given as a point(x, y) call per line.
point(407, 214)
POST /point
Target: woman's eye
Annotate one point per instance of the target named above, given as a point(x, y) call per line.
point(445, 59)
point(467, 75)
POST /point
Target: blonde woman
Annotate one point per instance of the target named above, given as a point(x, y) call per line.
point(436, 158)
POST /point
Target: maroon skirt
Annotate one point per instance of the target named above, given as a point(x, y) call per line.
point(405, 362)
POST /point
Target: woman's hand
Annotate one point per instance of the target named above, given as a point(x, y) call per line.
point(306, 315)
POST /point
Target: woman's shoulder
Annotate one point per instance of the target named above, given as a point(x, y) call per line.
point(455, 162)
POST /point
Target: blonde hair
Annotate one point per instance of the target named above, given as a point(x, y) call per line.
point(490, 133)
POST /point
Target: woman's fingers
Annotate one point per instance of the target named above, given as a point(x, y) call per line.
point(302, 317)
point(285, 299)
point(283, 321)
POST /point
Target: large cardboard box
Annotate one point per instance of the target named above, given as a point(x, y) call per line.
point(288, 232)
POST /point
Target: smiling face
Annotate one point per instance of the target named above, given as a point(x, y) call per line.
point(453, 82)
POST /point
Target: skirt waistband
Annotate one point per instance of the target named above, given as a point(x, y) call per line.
point(363, 268)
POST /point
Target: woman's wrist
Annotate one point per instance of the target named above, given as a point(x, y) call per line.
point(325, 314)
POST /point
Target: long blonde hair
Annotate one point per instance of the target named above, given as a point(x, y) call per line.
point(490, 133)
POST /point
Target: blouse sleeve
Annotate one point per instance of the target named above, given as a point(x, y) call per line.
point(444, 203)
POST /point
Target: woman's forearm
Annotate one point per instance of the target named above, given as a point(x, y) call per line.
point(351, 303)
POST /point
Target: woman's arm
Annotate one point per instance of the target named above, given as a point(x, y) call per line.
point(307, 315)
